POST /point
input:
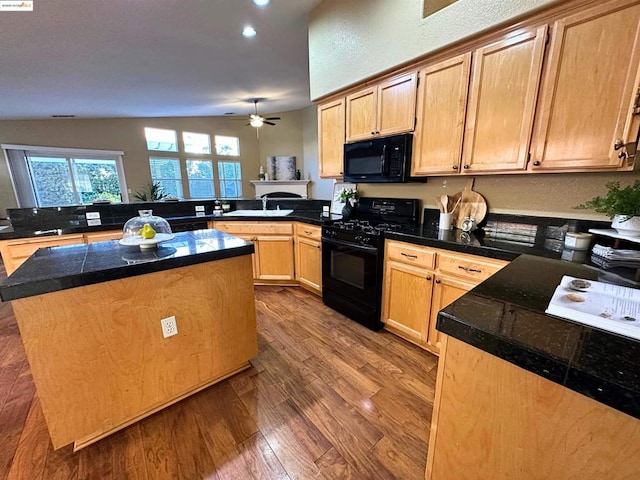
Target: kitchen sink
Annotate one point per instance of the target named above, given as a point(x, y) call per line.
point(258, 213)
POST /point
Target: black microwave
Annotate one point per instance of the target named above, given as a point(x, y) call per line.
point(379, 160)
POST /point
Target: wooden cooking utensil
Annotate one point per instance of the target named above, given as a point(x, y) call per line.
point(444, 198)
point(472, 204)
point(439, 204)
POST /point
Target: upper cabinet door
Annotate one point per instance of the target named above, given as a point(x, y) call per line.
point(331, 137)
point(588, 89)
point(384, 109)
point(502, 100)
point(442, 103)
point(361, 114)
point(397, 105)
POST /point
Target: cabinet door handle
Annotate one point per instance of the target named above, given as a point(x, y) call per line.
point(455, 167)
point(438, 282)
point(536, 163)
point(408, 256)
point(428, 277)
point(469, 269)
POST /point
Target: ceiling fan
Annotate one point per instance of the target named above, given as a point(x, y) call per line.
point(256, 120)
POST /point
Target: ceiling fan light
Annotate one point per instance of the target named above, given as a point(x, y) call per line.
point(256, 122)
point(249, 31)
point(261, 3)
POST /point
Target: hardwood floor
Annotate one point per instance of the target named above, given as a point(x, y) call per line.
point(325, 398)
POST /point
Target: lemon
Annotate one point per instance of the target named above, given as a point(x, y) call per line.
point(147, 232)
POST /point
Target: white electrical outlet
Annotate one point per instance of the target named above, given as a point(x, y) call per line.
point(169, 326)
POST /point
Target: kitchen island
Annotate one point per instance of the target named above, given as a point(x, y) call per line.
point(522, 394)
point(90, 319)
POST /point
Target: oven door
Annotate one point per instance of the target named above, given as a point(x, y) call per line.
point(352, 271)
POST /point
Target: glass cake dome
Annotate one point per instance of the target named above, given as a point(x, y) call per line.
point(146, 230)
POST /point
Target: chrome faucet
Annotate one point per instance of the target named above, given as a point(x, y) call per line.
point(264, 203)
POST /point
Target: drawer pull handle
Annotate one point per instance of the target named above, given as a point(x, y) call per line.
point(408, 256)
point(308, 232)
point(469, 269)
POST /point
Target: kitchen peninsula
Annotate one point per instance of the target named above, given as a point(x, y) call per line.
point(90, 319)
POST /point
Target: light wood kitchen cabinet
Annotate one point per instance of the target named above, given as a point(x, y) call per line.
point(16, 251)
point(502, 101)
point(446, 290)
point(420, 281)
point(442, 103)
point(102, 236)
point(587, 95)
point(308, 249)
point(383, 109)
point(273, 260)
point(331, 138)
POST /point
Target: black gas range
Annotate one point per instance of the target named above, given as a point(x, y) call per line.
point(353, 256)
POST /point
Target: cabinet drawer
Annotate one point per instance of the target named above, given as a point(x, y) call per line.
point(259, 228)
point(103, 236)
point(468, 266)
point(312, 232)
point(24, 248)
point(411, 254)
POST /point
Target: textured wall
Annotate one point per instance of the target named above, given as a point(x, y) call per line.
point(356, 39)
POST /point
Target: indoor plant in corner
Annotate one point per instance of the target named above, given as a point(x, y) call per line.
point(622, 205)
point(152, 192)
point(348, 196)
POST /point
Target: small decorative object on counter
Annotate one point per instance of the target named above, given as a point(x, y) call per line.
point(577, 241)
point(217, 208)
point(146, 230)
point(226, 207)
point(348, 196)
point(622, 205)
point(298, 175)
point(261, 173)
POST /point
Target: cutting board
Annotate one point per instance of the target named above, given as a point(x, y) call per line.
point(472, 204)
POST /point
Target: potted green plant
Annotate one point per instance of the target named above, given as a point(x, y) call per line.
point(622, 205)
point(151, 192)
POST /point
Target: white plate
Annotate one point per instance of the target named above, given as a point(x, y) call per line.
point(146, 242)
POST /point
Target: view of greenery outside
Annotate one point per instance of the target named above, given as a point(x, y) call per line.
point(200, 176)
point(227, 146)
point(230, 176)
point(166, 171)
point(196, 142)
point(161, 140)
point(92, 178)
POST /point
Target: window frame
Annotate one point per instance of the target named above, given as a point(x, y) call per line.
point(213, 177)
point(23, 198)
point(179, 180)
point(222, 179)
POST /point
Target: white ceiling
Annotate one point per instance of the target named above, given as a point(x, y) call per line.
point(153, 58)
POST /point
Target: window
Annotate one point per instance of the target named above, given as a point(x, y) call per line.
point(200, 176)
point(196, 142)
point(53, 177)
point(230, 176)
point(227, 146)
point(161, 140)
point(167, 172)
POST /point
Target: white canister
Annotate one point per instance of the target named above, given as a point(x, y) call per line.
point(577, 241)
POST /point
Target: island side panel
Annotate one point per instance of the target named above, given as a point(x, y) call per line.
point(496, 420)
point(98, 356)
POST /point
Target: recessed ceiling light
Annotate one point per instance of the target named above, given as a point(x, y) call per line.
point(249, 31)
point(261, 3)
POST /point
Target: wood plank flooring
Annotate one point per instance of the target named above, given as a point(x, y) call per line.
point(325, 398)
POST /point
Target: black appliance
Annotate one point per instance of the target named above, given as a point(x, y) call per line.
point(379, 160)
point(352, 256)
point(187, 225)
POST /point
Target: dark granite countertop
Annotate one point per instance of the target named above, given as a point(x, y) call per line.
point(58, 268)
point(505, 317)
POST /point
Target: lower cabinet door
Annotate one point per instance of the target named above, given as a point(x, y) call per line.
point(309, 263)
point(446, 290)
point(274, 257)
point(407, 301)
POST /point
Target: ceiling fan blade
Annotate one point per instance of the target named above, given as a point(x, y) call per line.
point(270, 123)
point(273, 118)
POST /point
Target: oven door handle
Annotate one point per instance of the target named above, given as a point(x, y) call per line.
point(342, 243)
